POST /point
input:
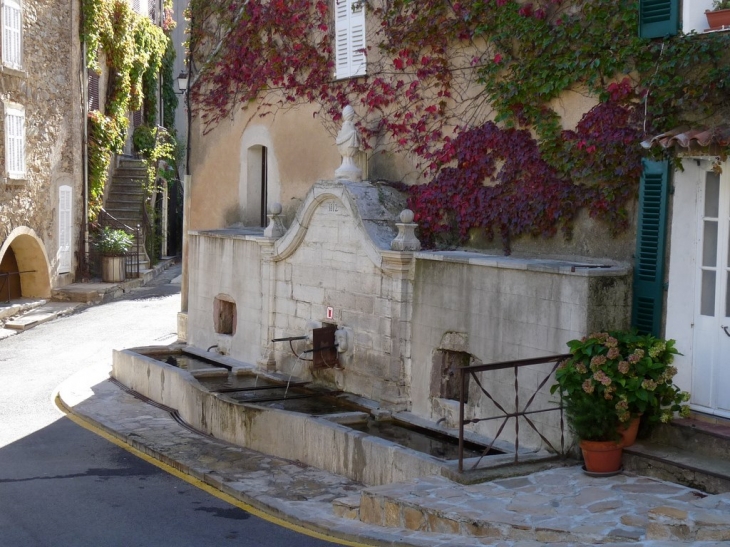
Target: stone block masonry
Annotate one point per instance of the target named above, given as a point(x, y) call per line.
point(46, 88)
point(408, 311)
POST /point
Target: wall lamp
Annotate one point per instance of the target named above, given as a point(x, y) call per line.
point(182, 82)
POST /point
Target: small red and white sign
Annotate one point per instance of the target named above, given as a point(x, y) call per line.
point(330, 312)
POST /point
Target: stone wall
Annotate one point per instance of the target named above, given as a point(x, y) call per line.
point(494, 309)
point(409, 312)
point(48, 88)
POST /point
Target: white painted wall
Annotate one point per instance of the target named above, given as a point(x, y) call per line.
point(693, 15)
point(682, 267)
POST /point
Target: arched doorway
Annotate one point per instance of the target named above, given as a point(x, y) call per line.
point(9, 279)
point(23, 258)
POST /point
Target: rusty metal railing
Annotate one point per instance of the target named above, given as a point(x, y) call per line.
point(472, 370)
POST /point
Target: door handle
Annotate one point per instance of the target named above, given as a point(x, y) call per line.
point(724, 327)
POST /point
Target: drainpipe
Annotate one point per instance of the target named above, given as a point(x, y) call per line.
point(85, 150)
point(184, 285)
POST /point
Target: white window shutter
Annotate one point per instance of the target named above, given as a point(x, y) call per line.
point(357, 40)
point(342, 34)
point(65, 228)
point(14, 143)
point(349, 38)
point(12, 24)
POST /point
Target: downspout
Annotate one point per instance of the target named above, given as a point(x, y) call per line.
point(187, 183)
point(85, 148)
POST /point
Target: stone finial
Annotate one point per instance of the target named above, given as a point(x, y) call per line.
point(406, 239)
point(348, 144)
point(275, 229)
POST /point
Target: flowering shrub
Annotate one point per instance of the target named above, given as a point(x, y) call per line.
point(613, 377)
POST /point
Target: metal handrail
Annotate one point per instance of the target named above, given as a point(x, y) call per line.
point(6, 276)
point(472, 370)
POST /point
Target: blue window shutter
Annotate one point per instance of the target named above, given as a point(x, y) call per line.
point(658, 18)
point(648, 297)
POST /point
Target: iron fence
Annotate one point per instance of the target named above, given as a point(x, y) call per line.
point(505, 416)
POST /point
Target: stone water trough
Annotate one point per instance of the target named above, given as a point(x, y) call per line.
point(237, 402)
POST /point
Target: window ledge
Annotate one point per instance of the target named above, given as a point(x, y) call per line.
point(15, 180)
point(19, 73)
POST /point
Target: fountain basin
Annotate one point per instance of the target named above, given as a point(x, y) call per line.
point(326, 441)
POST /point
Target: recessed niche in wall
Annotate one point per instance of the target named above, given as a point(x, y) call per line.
point(224, 314)
point(445, 376)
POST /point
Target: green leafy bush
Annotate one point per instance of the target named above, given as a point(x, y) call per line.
point(113, 242)
point(615, 376)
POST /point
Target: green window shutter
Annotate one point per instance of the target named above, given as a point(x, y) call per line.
point(648, 298)
point(658, 18)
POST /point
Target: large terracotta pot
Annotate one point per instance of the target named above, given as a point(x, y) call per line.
point(601, 456)
point(629, 430)
point(718, 19)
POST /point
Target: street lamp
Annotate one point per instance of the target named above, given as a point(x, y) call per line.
point(182, 82)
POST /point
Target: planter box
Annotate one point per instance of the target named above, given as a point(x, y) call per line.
point(113, 268)
point(719, 19)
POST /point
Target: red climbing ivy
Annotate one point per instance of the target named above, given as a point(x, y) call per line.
point(470, 90)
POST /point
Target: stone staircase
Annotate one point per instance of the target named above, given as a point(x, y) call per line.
point(694, 452)
point(126, 199)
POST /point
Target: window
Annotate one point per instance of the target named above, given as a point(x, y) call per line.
point(350, 38)
point(12, 23)
point(15, 142)
point(65, 228)
point(93, 87)
point(658, 18)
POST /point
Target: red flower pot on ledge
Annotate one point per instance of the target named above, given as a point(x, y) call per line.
point(718, 19)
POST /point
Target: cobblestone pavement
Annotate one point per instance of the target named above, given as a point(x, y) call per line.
point(556, 507)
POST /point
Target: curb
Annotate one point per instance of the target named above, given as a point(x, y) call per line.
point(270, 511)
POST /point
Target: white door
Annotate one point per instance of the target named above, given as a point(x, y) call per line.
point(65, 229)
point(711, 348)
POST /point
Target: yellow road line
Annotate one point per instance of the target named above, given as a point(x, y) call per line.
point(202, 485)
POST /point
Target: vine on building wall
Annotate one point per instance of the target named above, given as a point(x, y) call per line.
point(133, 47)
point(472, 91)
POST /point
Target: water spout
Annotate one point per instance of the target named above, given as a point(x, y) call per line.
point(211, 347)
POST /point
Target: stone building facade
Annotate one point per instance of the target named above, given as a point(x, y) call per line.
point(41, 143)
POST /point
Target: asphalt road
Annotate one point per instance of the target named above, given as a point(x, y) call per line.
point(61, 485)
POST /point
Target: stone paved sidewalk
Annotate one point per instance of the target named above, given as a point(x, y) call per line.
point(557, 507)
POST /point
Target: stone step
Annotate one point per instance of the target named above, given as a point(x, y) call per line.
point(129, 206)
point(128, 185)
point(133, 172)
point(559, 505)
point(696, 434)
point(46, 312)
point(131, 164)
point(688, 451)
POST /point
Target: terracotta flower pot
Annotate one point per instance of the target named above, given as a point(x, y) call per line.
point(718, 19)
point(601, 456)
point(629, 430)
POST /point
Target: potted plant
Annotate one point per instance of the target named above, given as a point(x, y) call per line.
point(719, 16)
point(612, 379)
point(113, 245)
